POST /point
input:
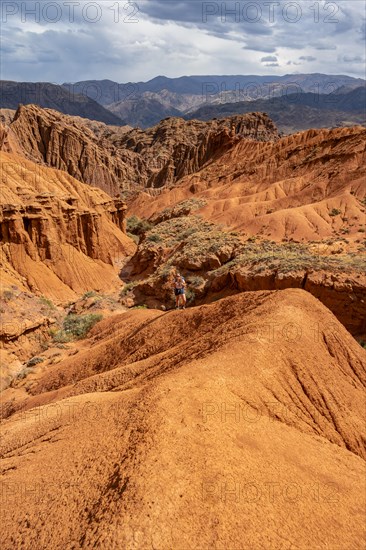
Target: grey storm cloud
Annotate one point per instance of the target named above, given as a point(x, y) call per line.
point(355, 59)
point(64, 40)
point(307, 58)
point(269, 58)
point(324, 47)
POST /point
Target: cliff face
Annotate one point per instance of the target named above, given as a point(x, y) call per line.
point(115, 159)
point(63, 142)
point(175, 148)
point(58, 236)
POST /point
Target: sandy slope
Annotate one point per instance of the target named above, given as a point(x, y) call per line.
point(284, 189)
point(236, 425)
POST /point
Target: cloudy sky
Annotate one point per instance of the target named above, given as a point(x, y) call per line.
point(58, 41)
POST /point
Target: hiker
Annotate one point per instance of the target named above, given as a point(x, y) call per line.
point(179, 285)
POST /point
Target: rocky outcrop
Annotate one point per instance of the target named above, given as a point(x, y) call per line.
point(50, 138)
point(114, 159)
point(343, 294)
point(176, 148)
point(218, 263)
point(59, 235)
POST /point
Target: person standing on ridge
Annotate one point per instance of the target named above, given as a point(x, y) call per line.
point(179, 285)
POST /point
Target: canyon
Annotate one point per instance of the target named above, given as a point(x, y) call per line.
point(238, 422)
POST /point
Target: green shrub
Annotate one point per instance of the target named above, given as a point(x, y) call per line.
point(34, 361)
point(155, 238)
point(165, 271)
point(143, 306)
point(135, 238)
point(137, 226)
point(89, 294)
point(190, 295)
point(78, 326)
point(23, 374)
point(195, 281)
point(46, 302)
point(60, 337)
point(127, 288)
point(334, 212)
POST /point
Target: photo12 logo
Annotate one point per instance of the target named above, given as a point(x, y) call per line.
point(53, 12)
point(269, 12)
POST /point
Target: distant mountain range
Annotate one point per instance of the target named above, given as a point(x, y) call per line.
point(295, 102)
point(107, 92)
point(52, 96)
point(297, 112)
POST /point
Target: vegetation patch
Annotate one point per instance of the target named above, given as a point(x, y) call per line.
point(183, 208)
point(202, 251)
point(137, 226)
point(89, 294)
point(78, 326)
point(75, 327)
point(190, 295)
point(288, 257)
point(127, 288)
point(155, 238)
point(334, 212)
point(195, 281)
point(35, 361)
point(47, 303)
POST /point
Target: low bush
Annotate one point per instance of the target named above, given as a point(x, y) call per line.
point(137, 226)
point(60, 336)
point(154, 237)
point(78, 326)
point(35, 361)
point(21, 375)
point(127, 288)
point(46, 302)
point(190, 295)
point(89, 294)
point(196, 281)
point(334, 212)
point(135, 238)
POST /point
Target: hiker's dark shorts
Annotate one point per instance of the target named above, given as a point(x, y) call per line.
point(178, 291)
